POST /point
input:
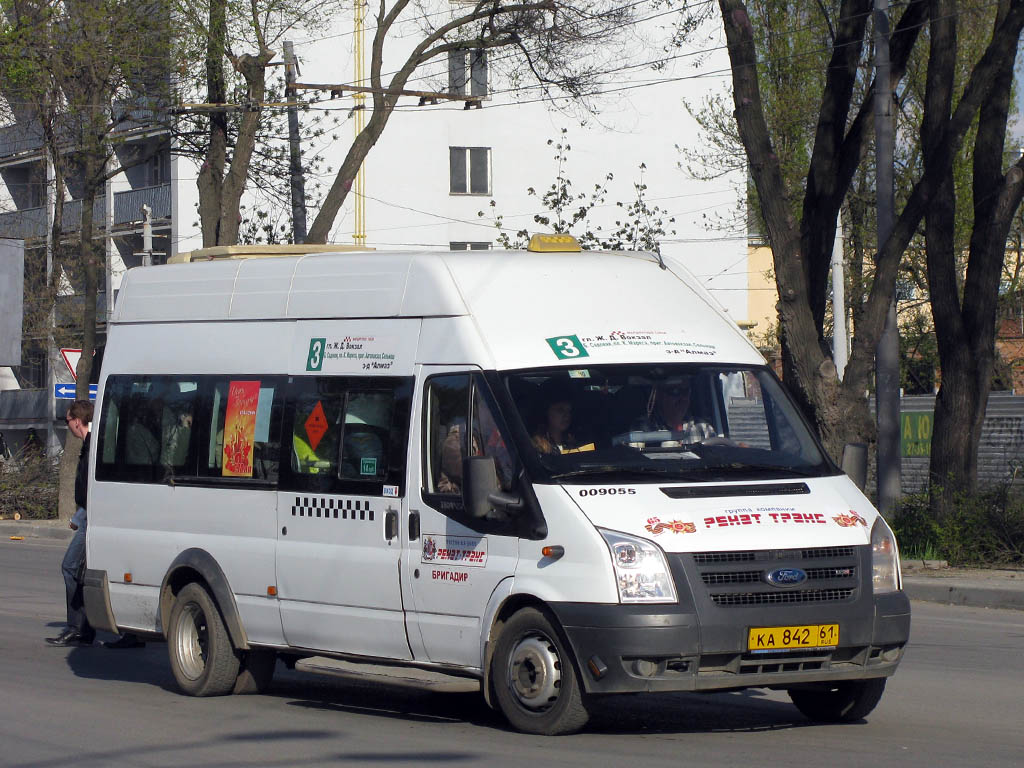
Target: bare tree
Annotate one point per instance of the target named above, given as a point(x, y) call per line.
point(225, 51)
point(554, 43)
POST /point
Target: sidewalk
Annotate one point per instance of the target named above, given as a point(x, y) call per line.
point(931, 581)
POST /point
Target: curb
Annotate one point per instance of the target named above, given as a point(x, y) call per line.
point(962, 592)
point(36, 529)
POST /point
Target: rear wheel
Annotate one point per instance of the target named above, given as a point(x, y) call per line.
point(203, 660)
point(843, 702)
point(534, 677)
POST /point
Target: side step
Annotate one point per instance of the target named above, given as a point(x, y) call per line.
point(406, 677)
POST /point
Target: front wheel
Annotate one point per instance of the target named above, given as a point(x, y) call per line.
point(534, 677)
point(843, 702)
point(203, 660)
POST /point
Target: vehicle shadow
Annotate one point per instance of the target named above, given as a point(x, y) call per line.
point(147, 665)
point(669, 713)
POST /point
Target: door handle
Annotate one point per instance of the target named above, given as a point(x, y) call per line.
point(414, 525)
point(390, 525)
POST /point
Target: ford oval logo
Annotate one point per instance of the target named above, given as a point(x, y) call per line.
point(786, 577)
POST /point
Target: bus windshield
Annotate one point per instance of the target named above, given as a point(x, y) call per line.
point(607, 423)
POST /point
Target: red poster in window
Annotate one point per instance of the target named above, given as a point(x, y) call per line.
point(240, 428)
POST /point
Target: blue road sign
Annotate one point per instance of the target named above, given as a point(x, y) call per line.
point(65, 391)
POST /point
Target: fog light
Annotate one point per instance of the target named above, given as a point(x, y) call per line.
point(644, 668)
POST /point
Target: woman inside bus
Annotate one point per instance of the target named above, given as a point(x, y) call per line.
point(552, 433)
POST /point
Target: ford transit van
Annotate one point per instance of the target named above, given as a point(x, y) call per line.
point(564, 474)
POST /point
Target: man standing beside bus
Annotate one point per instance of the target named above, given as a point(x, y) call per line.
point(77, 630)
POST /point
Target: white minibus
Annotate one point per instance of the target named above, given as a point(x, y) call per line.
point(564, 474)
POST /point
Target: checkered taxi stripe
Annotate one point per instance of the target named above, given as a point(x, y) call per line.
point(332, 509)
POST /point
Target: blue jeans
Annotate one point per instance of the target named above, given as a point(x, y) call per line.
point(71, 568)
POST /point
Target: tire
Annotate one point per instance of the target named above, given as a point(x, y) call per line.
point(534, 677)
point(255, 672)
point(203, 660)
point(844, 702)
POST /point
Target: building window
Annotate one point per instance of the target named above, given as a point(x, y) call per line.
point(467, 68)
point(158, 170)
point(469, 246)
point(470, 170)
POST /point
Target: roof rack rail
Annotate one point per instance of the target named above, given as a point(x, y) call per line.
point(219, 252)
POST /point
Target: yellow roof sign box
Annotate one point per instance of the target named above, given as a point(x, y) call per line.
point(541, 243)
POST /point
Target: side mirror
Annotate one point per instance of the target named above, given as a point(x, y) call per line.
point(855, 463)
point(481, 491)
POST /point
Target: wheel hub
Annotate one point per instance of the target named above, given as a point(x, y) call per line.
point(535, 672)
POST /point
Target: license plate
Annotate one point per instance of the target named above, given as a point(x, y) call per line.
point(786, 638)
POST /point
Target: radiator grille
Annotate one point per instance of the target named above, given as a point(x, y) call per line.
point(781, 598)
point(741, 578)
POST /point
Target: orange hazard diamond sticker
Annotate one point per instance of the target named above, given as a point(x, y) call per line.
point(316, 425)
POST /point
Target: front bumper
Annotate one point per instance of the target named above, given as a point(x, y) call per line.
point(700, 643)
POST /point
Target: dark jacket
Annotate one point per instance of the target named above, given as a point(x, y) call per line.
point(82, 474)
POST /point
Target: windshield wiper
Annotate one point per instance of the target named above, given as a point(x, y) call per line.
point(742, 466)
point(612, 470)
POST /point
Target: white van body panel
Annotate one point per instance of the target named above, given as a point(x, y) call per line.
point(584, 573)
point(825, 514)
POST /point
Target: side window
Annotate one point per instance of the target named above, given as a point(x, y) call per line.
point(447, 403)
point(347, 435)
point(460, 421)
point(241, 435)
point(316, 428)
point(489, 441)
point(365, 435)
point(146, 428)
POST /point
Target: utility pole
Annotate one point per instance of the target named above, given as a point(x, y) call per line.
point(887, 354)
point(840, 349)
point(359, 122)
point(52, 444)
point(298, 181)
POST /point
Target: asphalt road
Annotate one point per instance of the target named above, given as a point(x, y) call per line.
point(955, 701)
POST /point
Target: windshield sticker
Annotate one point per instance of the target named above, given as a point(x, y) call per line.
point(470, 551)
point(579, 373)
point(368, 466)
point(850, 520)
point(655, 526)
point(572, 346)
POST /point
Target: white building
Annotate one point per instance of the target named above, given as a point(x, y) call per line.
point(437, 167)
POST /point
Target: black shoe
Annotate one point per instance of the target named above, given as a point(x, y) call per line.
point(68, 638)
point(127, 640)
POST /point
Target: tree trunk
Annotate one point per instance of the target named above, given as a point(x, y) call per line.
point(211, 174)
point(837, 410)
point(965, 328)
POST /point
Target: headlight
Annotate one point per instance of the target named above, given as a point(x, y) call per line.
point(885, 559)
point(641, 571)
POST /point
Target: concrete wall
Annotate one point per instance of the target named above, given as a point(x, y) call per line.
point(1000, 454)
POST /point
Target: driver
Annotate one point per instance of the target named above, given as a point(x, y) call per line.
point(669, 409)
